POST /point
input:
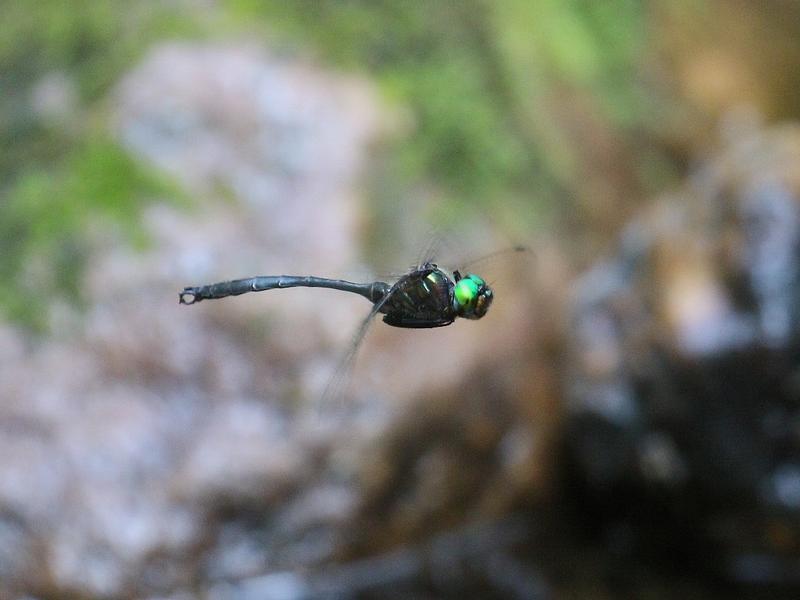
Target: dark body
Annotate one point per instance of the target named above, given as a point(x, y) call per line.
point(421, 299)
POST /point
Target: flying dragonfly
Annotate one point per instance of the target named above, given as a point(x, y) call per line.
point(425, 297)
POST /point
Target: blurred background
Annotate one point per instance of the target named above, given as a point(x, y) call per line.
point(624, 423)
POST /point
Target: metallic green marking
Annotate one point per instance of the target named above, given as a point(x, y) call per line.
point(466, 291)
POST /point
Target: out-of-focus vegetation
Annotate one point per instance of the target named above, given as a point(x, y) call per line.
point(485, 85)
point(516, 109)
point(60, 169)
point(47, 210)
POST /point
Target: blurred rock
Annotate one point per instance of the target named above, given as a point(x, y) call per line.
point(682, 382)
point(155, 450)
point(55, 97)
point(137, 447)
point(283, 137)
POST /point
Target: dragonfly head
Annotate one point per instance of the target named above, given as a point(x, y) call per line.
point(471, 297)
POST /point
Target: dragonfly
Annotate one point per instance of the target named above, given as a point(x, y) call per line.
point(425, 297)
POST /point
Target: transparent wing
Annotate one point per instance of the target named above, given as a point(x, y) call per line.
point(334, 395)
point(449, 249)
point(472, 263)
point(432, 248)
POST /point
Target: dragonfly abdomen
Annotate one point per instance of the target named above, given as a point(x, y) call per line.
point(374, 292)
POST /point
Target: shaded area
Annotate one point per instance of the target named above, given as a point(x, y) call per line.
point(681, 438)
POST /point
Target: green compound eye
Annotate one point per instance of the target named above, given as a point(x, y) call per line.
point(466, 291)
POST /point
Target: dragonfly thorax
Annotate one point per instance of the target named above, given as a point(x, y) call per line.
point(421, 299)
point(429, 297)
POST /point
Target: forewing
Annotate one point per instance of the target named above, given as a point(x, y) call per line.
point(469, 266)
point(333, 397)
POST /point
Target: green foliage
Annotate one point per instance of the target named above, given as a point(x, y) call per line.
point(482, 80)
point(57, 177)
point(44, 218)
point(92, 41)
